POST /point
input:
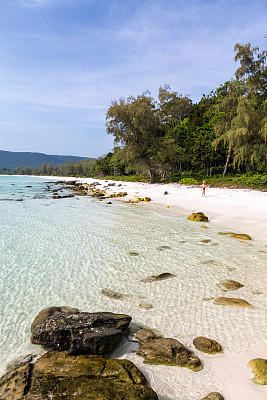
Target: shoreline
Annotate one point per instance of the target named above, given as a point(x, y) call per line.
point(243, 210)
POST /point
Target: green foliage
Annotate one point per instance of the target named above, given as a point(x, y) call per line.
point(189, 181)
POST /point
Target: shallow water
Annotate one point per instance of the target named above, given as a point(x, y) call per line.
point(65, 251)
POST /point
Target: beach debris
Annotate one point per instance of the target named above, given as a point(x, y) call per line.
point(231, 301)
point(206, 345)
point(145, 305)
point(160, 277)
point(198, 216)
point(133, 253)
point(213, 396)
point(81, 333)
point(59, 375)
point(161, 248)
point(146, 334)
point(259, 368)
point(242, 236)
point(228, 284)
point(112, 294)
point(168, 351)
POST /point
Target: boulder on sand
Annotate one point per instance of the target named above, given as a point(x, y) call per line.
point(206, 345)
point(57, 375)
point(82, 332)
point(198, 216)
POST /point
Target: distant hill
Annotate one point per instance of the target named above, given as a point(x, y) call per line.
point(11, 159)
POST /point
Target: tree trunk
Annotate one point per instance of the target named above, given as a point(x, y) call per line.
point(152, 176)
point(227, 161)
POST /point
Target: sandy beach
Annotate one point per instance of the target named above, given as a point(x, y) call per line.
point(238, 210)
point(243, 210)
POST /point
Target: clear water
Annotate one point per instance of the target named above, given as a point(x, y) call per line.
point(64, 251)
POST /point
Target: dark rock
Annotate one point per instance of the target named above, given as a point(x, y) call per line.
point(19, 200)
point(168, 351)
point(161, 248)
point(209, 346)
point(198, 216)
point(58, 375)
point(213, 396)
point(81, 333)
point(133, 253)
point(165, 192)
point(161, 277)
point(50, 311)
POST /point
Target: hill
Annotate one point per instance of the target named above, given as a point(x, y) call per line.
point(11, 159)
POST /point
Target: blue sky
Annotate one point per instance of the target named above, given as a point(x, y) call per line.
point(63, 61)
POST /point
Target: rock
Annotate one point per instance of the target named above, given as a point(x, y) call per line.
point(205, 240)
point(198, 216)
point(161, 248)
point(145, 305)
point(228, 284)
point(230, 301)
point(49, 312)
point(81, 333)
point(241, 236)
point(209, 346)
point(20, 361)
point(165, 192)
point(259, 368)
point(226, 233)
point(161, 277)
point(133, 253)
point(112, 294)
point(57, 375)
point(213, 396)
point(146, 334)
point(204, 227)
point(167, 351)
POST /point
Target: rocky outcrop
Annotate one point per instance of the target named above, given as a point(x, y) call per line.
point(206, 345)
point(168, 351)
point(198, 216)
point(228, 284)
point(213, 396)
point(81, 333)
point(57, 375)
point(230, 301)
point(259, 368)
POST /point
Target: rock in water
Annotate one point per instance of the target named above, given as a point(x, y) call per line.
point(50, 311)
point(206, 345)
point(57, 375)
point(228, 284)
point(198, 216)
point(81, 333)
point(160, 277)
point(241, 236)
point(259, 368)
point(230, 301)
point(213, 396)
point(168, 351)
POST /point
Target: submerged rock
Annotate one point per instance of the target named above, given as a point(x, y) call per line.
point(146, 334)
point(161, 248)
point(112, 294)
point(230, 301)
point(198, 216)
point(145, 305)
point(50, 311)
point(81, 333)
point(161, 277)
point(213, 396)
point(228, 284)
point(241, 236)
point(57, 375)
point(167, 351)
point(206, 345)
point(259, 368)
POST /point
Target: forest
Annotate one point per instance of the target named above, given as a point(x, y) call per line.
point(170, 138)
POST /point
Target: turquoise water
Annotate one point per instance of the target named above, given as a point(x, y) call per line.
point(64, 251)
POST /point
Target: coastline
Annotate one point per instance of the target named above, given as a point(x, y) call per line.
point(242, 210)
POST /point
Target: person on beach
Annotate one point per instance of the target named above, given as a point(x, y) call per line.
point(203, 188)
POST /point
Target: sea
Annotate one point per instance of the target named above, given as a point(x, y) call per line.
point(56, 252)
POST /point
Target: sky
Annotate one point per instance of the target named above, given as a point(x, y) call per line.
point(62, 62)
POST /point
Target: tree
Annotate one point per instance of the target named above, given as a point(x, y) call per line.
point(136, 127)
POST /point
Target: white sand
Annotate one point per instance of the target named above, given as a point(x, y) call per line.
point(244, 211)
